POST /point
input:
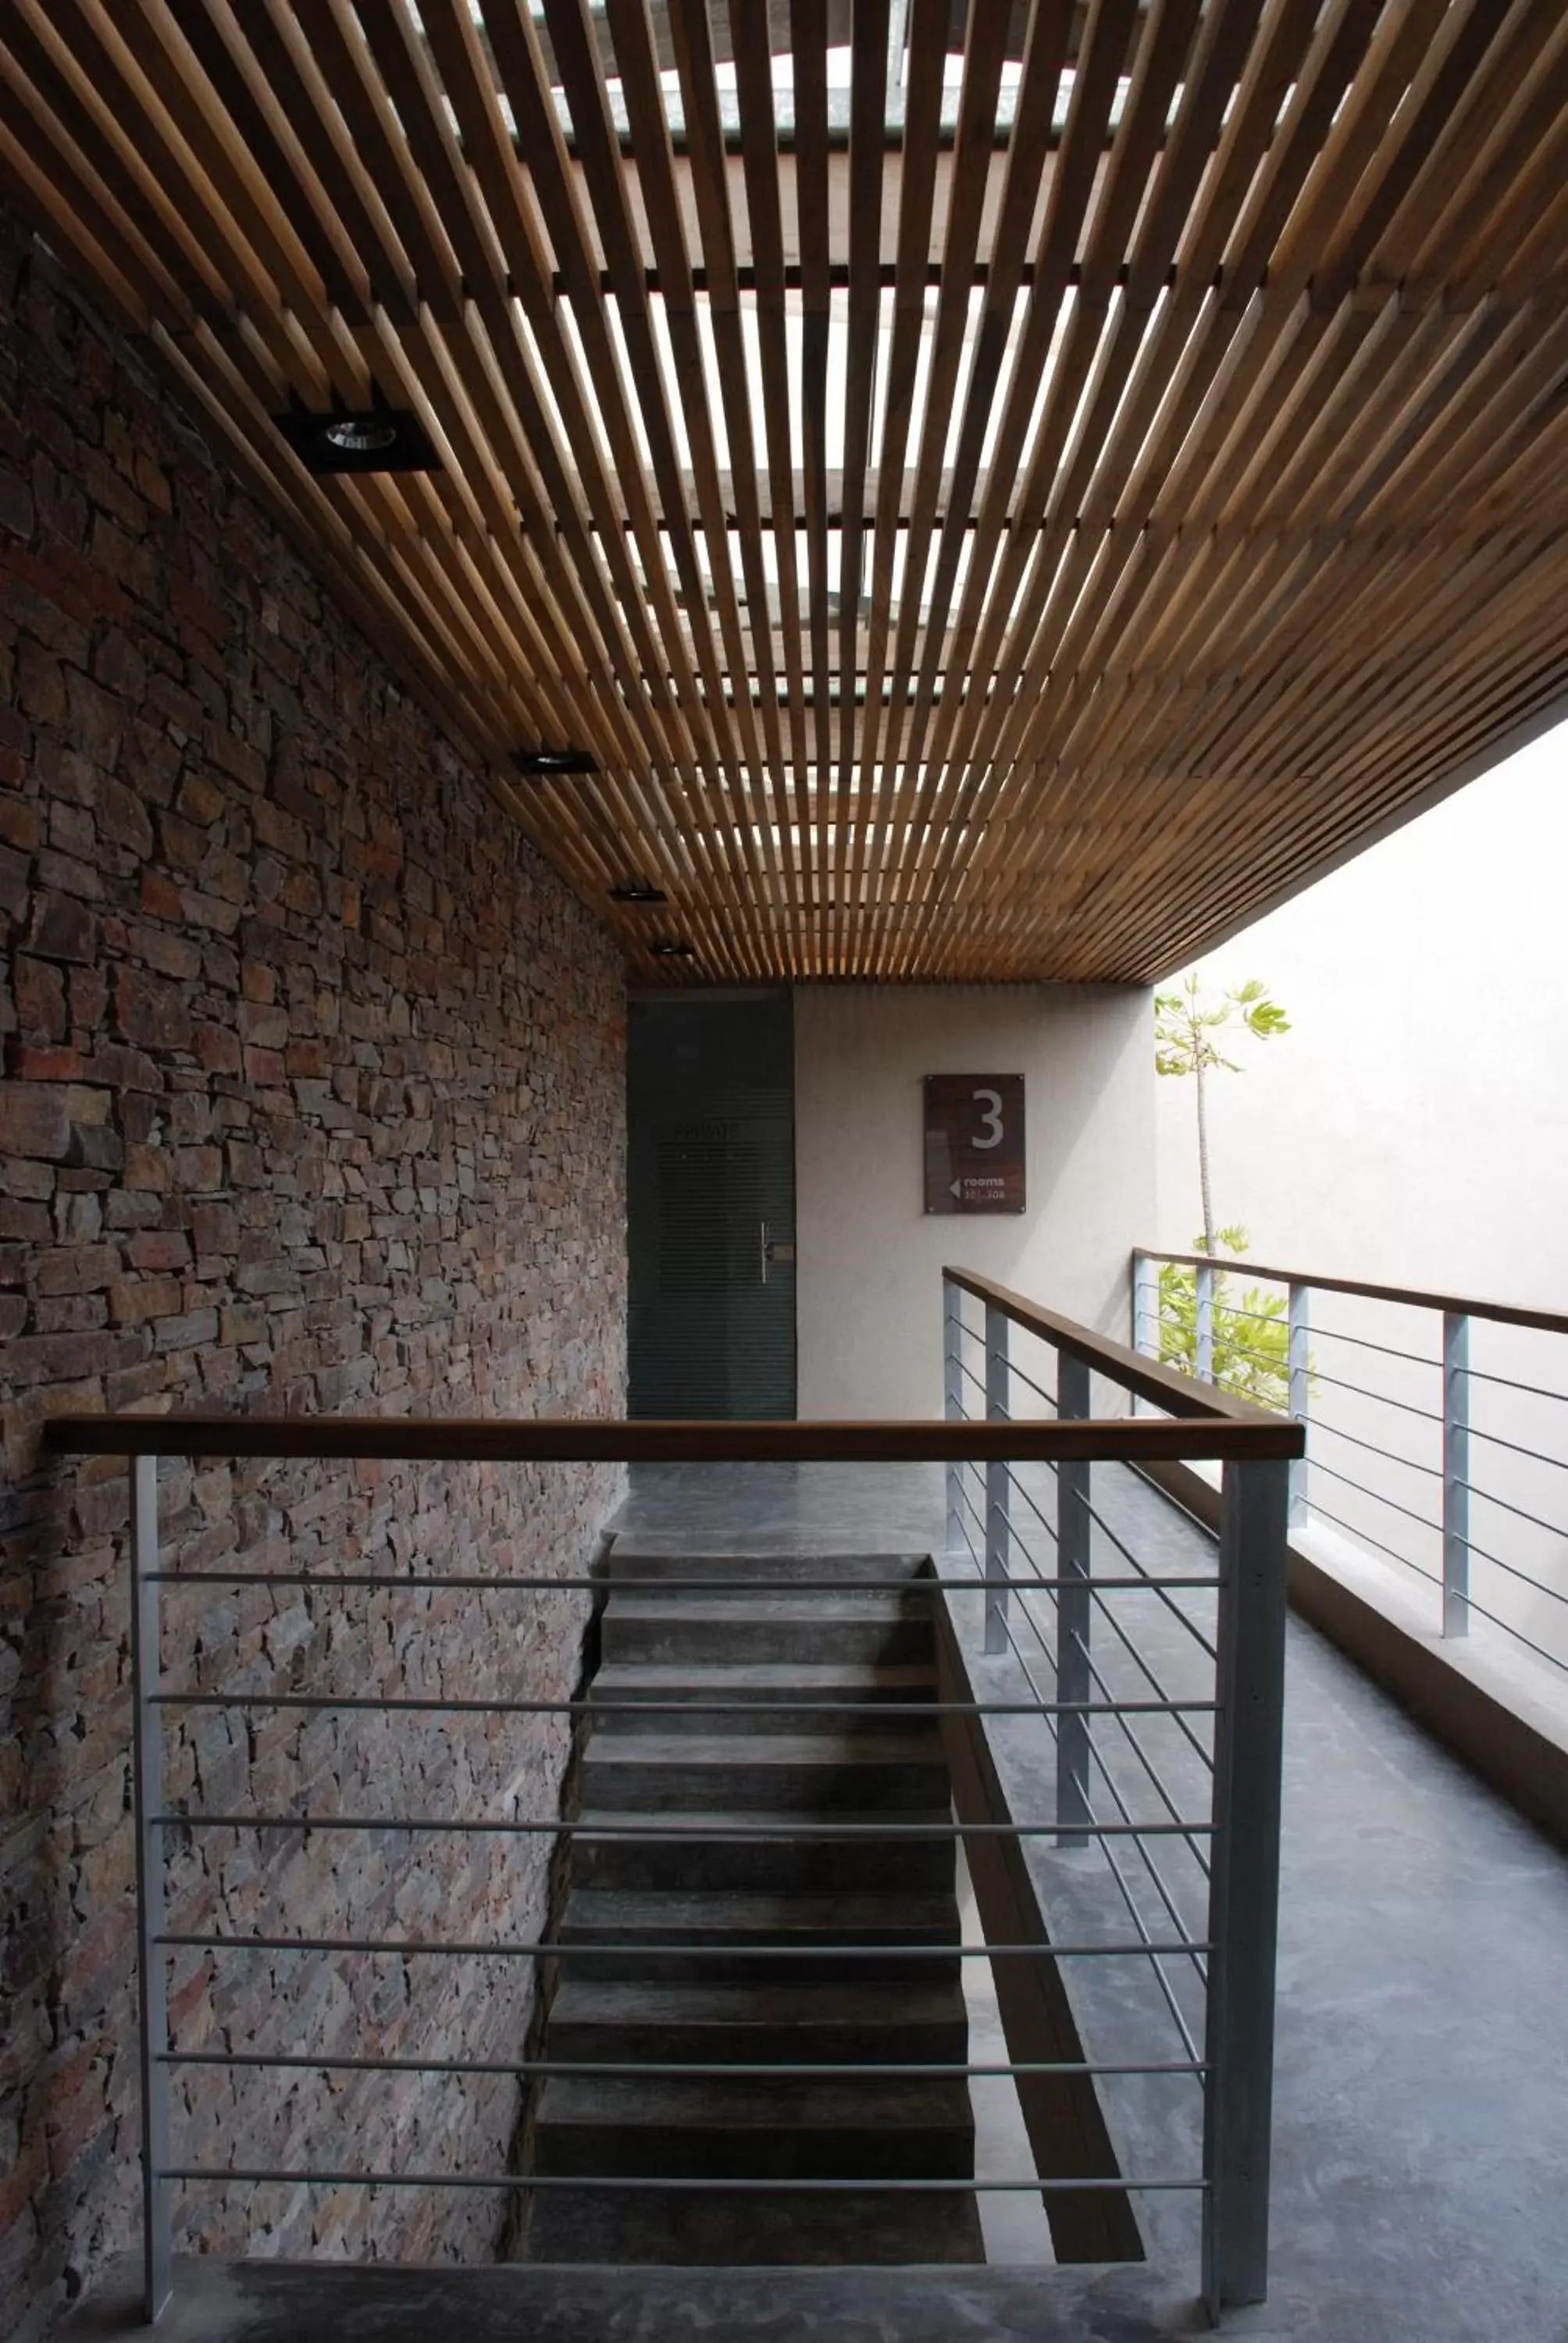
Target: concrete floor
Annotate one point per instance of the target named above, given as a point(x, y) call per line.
point(1421, 2091)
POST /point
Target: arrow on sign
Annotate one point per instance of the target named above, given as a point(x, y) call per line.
point(956, 1188)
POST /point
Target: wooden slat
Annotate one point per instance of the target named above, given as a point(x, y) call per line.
point(928, 36)
point(568, 1440)
point(765, 220)
point(808, 28)
point(906, 807)
point(1164, 1386)
point(1458, 1305)
point(966, 550)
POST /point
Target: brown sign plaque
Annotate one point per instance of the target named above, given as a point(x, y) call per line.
point(974, 1143)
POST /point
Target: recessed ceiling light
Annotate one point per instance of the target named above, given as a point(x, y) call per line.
point(637, 894)
point(672, 950)
point(378, 439)
point(541, 764)
point(356, 435)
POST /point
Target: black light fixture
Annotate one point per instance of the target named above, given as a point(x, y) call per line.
point(676, 948)
point(372, 439)
point(638, 893)
point(545, 764)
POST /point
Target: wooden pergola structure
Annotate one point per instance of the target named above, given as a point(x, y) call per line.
point(998, 491)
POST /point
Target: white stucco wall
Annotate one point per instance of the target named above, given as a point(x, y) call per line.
point(869, 1260)
point(1414, 1124)
point(1412, 1129)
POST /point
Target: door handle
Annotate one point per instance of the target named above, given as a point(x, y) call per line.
point(773, 1249)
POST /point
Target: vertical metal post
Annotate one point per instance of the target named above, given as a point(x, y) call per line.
point(953, 1402)
point(1143, 1334)
point(997, 1508)
point(148, 1787)
point(1072, 1611)
point(1142, 1316)
point(1300, 1393)
point(1203, 1330)
point(1244, 1883)
point(1455, 1474)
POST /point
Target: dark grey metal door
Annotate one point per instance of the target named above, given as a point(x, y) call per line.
point(711, 1194)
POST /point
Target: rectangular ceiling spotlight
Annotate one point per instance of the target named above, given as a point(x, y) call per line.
point(378, 439)
point(547, 764)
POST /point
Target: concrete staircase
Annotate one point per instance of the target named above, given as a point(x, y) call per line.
point(772, 1766)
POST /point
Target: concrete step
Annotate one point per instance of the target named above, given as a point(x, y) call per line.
point(807, 1773)
point(780, 1949)
point(869, 1630)
point(707, 2228)
point(709, 2024)
point(760, 1698)
point(655, 1562)
point(923, 1866)
point(717, 2127)
point(706, 1931)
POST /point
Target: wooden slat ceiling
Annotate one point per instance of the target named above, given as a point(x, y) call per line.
point(1002, 490)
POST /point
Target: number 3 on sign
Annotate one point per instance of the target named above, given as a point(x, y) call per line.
point(989, 1104)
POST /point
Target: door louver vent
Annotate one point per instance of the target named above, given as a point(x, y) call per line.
point(712, 1195)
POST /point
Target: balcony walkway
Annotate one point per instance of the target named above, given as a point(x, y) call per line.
point(1422, 2096)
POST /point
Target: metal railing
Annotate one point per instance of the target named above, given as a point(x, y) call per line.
point(1232, 1831)
point(1163, 1691)
point(1436, 1424)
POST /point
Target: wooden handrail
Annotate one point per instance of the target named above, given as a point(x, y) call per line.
point(1196, 1402)
point(1460, 1305)
point(1227, 1432)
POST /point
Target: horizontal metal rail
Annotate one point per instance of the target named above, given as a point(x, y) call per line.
point(1537, 1586)
point(1422, 1521)
point(1365, 1537)
point(400, 1581)
point(1363, 1342)
point(1390, 1456)
point(557, 1948)
point(1552, 1659)
point(1510, 1383)
point(1533, 1455)
point(594, 2069)
point(1227, 1342)
point(1383, 1399)
point(1039, 1390)
point(660, 2184)
point(1235, 1309)
point(1148, 1582)
point(661, 1831)
point(869, 1710)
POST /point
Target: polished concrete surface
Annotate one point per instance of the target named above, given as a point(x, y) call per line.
point(1422, 2095)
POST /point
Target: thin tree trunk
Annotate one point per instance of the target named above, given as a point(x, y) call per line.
point(1203, 1166)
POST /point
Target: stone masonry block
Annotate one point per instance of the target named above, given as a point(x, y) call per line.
point(313, 1101)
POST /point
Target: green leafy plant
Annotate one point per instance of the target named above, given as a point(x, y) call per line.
point(1250, 1335)
point(1187, 1031)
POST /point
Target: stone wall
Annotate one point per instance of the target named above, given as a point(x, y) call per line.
point(313, 1101)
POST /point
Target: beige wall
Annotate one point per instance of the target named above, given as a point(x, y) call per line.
point(868, 1259)
point(1412, 1127)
